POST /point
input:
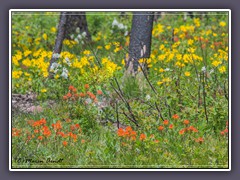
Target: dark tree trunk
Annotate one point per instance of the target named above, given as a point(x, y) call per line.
point(140, 40)
point(191, 14)
point(68, 23)
point(157, 15)
point(59, 39)
point(77, 20)
point(122, 14)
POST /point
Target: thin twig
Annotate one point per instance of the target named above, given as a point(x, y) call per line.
point(159, 111)
point(120, 94)
point(116, 104)
point(225, 90)
point(204, 98)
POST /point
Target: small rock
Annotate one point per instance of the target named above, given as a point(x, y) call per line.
point(35, 109)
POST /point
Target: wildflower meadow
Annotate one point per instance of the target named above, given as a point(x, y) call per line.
point(85, 111)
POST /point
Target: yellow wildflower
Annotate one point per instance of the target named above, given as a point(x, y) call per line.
point(44, 90)
point(216, 63)
point(222, 69)
point(53, 29)
point(45, 36)
point(222, 23)
point(107, 47)
point(187, 73)
point(161, 70)
point(86, 52)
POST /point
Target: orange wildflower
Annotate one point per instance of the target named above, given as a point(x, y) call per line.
point(86, 86)
point(133, 133)
point(36, 124)
point(193, 129)
point(133, 138)
point(15, 132)
point(222, 133)
point(82, 94)
point(225, 130)
point(160, 128)
point(199, 140)
point(83, 141)
point(171, 126)
point(69, 95)
point(120, 132)
point(186, 122)
point(70, 134)
point(128, 128)
point(65, 97)
point(74, 127)
point(42, 121)
point(127, 133)
point(181, 132)
point(92, 96)
point(74, 136)
point(75, 96)
point(176, 39)
point(156, 141)
point(71, 87)
point(60, 133)
point(99, 92)
point(165, 122)
point(57, 126)
point(36, 131)
point(40, 138)
point(74, 90)
point(65, 143)
point(46, 131)
point(142, 137)
point(175, 116)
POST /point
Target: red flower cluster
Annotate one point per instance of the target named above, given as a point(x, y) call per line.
point(57, 126)
point(160, 128)
point(74, 127)
point(43, 132)
point(40, 128)
point(73, 95)
point(142, 137)
point(46, 131)
point(186, 122)
point(188, 129)
point(16, 132)
point(165, 123)
point(199, 140)
point(38, 123)
point(225, 131)
point(128, 133)
point(92, 96)
point(175, 116)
